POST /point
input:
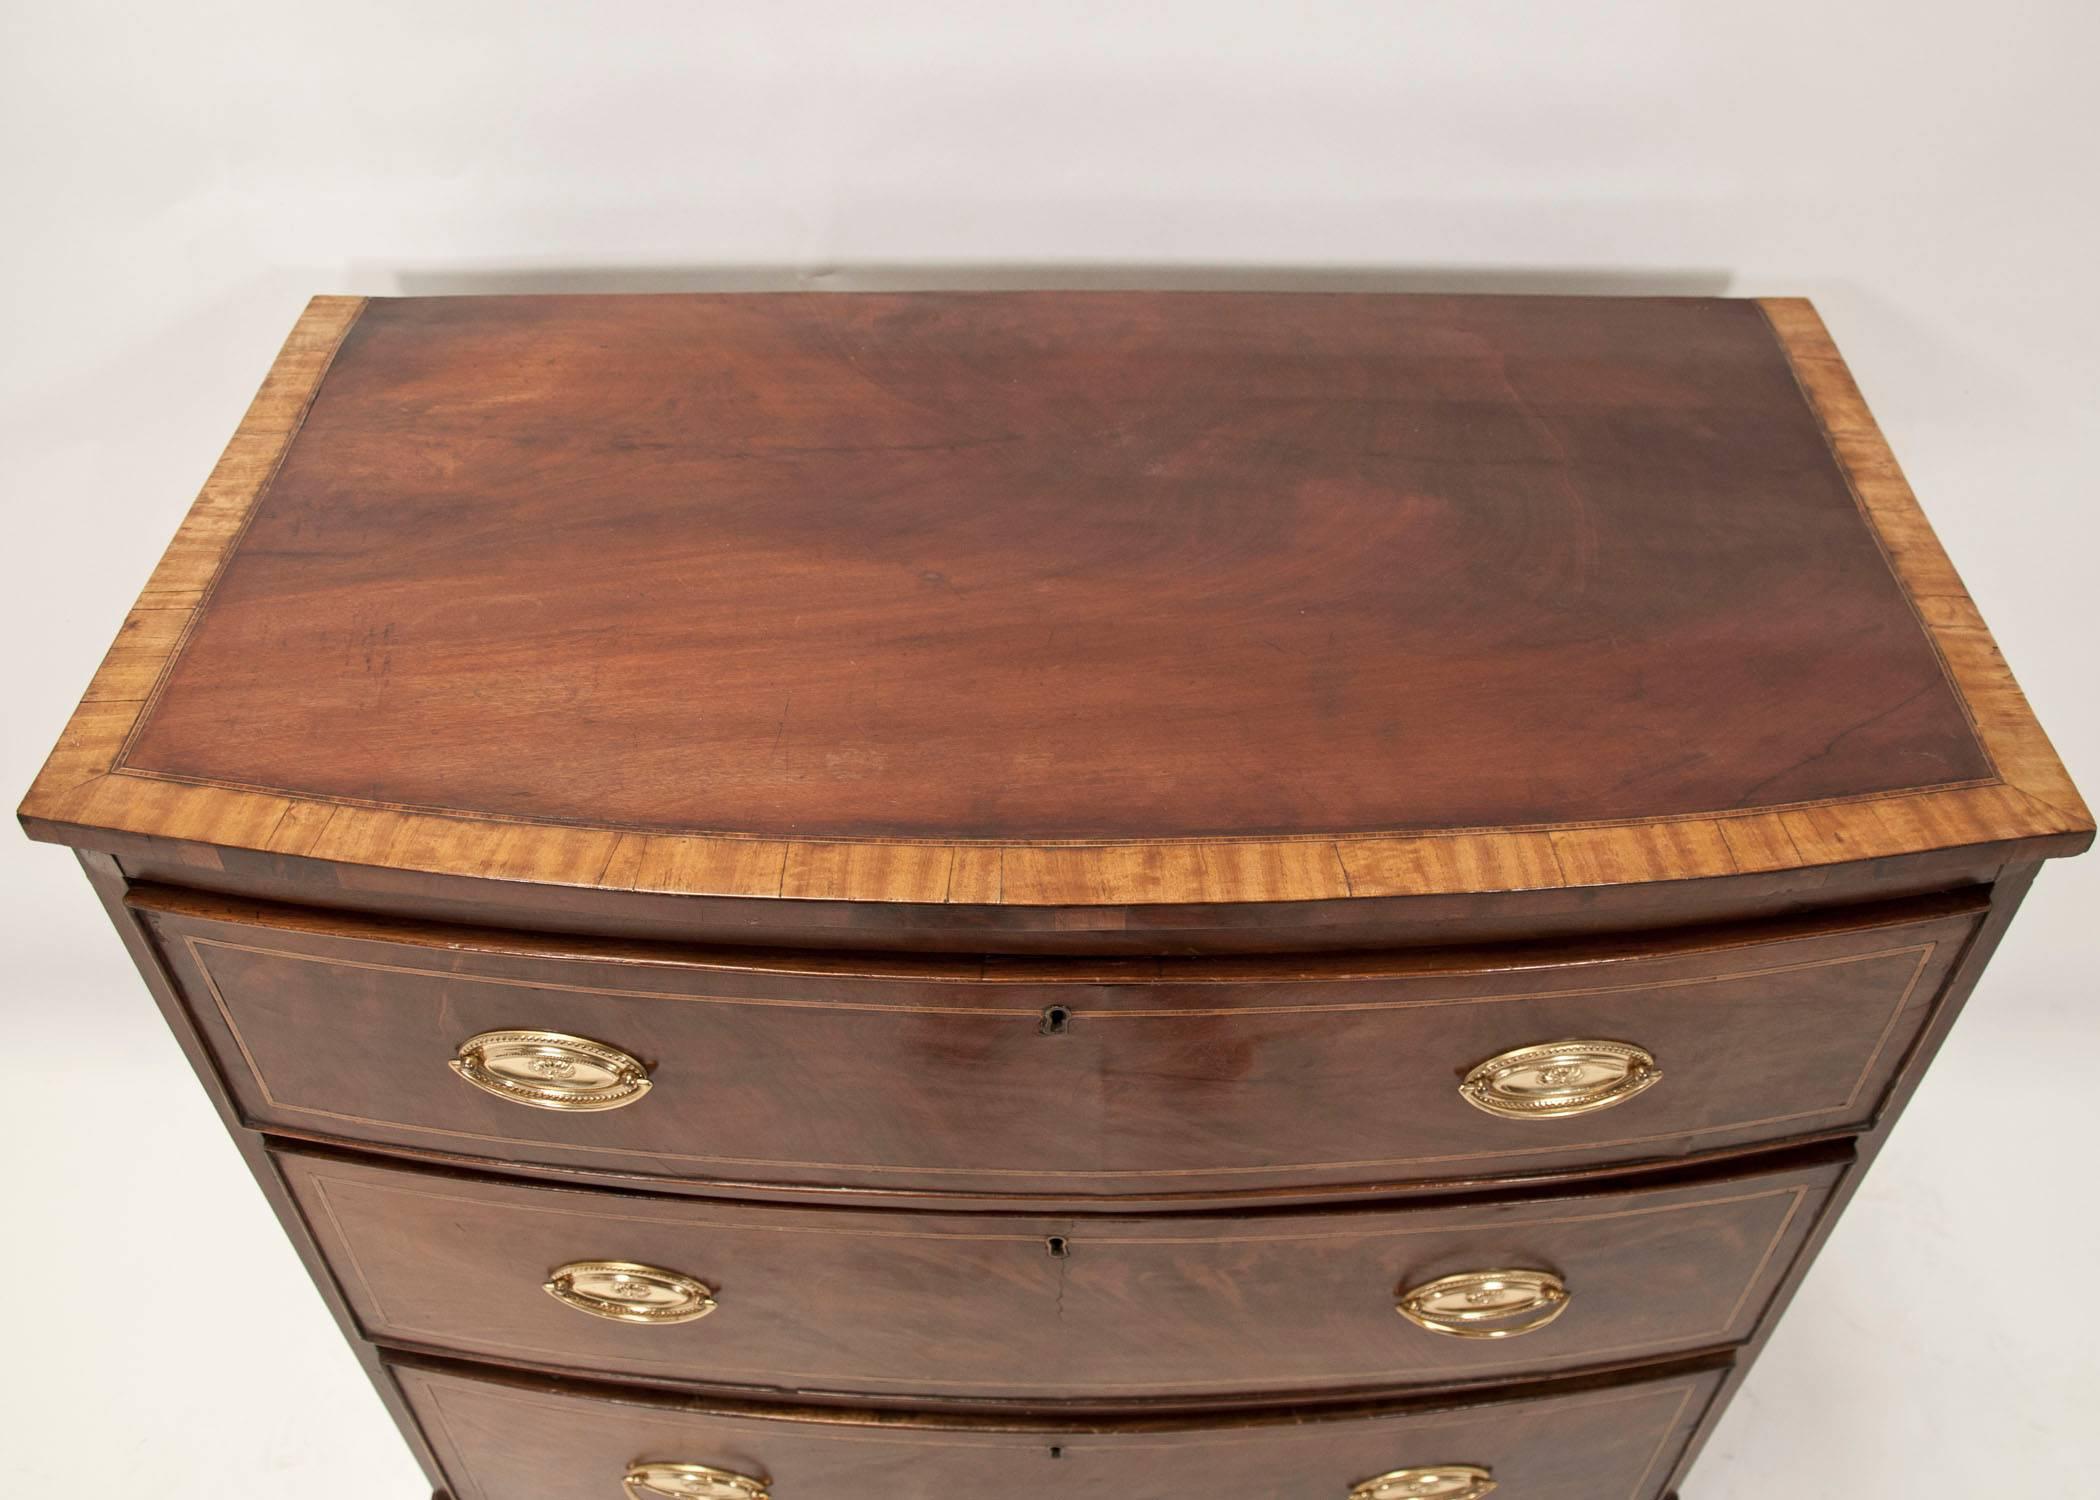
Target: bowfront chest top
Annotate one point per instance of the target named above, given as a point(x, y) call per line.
point(1057, 893)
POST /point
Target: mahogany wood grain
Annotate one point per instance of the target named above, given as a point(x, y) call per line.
point(518, 1439)
point(1209, 1078)
point(1125, 601)
point(1102, 1309)
point(923, 567)
point(1260, 662)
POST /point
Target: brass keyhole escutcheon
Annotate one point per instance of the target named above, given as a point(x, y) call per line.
point(1550, 1080)
point(1500, 1304)
point(550, 1070)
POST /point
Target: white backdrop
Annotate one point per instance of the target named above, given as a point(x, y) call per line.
point(177, 178)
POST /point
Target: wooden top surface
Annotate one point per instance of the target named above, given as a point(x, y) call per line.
point(1058, 599)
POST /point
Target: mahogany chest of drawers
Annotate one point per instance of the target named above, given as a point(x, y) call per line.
point(1124, 895)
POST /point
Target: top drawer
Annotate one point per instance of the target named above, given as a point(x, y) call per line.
point(1055, 1080)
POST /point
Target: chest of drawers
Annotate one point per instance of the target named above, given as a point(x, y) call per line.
point(1058, 894)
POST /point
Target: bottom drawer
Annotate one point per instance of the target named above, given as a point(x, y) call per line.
point(518, 1438)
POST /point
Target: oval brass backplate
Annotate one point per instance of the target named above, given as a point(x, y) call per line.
point(550, 1070)
point(1501, 1304)
point(1440, 1482)
point(623, 1291)
point(692, 1482)
point(1548, 1080)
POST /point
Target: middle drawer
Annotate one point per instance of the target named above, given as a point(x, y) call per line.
point(996, 1307)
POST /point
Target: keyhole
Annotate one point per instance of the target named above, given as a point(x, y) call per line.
point(1058, 1246)
point(1056, 1020)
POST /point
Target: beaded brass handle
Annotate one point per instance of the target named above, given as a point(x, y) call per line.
point(550, 1070)
point(623, 1291)
point(1443, 1482)
point(692, 1482)
point(1552, 1079)
point(1486, 1304)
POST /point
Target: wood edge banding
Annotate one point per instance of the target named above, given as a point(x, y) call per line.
point(81, 782)
point(2004, 722)
point(84, 788)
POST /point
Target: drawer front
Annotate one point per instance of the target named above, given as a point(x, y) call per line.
point(1101, 1309)
point(525, 1440)
point(1050, 1081)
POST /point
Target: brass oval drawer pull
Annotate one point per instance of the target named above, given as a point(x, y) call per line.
point(1486, 1304)
point(1552, 1079)
point(692, 1482)
point(625, 1292)
point(1443, 1482)
point(550, 1070)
